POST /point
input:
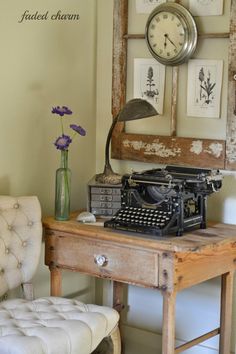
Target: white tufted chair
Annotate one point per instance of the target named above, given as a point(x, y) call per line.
point(49, 325)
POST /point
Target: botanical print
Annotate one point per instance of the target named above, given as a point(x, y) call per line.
point(206, 92)
point(146, 6)
point(149, 81)
point(204, 88)
point(206, 7)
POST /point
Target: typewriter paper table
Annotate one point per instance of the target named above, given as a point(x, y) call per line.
point(167, 264)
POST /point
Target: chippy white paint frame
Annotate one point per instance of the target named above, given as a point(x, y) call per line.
point(206, 7)
point(164, 149)
point(149, 82)
point(146, 6)
point(204, 88)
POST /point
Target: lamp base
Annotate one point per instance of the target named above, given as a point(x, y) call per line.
point(113, 178)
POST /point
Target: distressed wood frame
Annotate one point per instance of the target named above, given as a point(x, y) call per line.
point(211, 153)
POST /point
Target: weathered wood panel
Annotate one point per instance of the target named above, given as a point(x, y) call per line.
point(158, 149)
point(119, 66)
point(192, 268)
point(174, 263)
point(78, 253)
point(189, 242)
point(175, 79)
point(200, 35)
point(171, 150)
point(120, 26)
point(231, 112)
point(227, 283)
point(197, 341)
point(168, 327)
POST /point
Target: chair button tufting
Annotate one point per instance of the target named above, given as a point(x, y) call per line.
point(30, 223)
point(1, 271)
point(16, 206)
point(7, 250)
point(24, 243)
point(19, 265)
point(10, 227)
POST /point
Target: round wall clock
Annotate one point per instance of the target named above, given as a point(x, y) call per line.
point(171, 34)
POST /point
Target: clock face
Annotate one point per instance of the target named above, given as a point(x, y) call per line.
point(166, 35)
point(171, 34)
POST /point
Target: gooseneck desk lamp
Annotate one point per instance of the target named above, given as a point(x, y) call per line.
point(132, 110)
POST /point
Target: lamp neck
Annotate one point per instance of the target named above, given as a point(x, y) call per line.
point(107, 147)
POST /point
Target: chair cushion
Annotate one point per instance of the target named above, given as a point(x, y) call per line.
point(53, 325)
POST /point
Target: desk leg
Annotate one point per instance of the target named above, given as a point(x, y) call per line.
point(118, 304)
point(55, 281)
point(118, 295)
point(226, 312)
point(168, 324)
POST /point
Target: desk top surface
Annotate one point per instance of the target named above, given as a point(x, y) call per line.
point(213, 236)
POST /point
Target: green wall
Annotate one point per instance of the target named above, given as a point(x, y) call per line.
point(45, 63)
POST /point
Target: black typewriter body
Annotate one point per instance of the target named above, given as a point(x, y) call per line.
point(165, 201)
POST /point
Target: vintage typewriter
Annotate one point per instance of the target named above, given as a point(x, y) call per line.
point(165, 201)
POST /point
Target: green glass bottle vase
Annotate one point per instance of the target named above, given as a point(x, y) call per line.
point(63, 187)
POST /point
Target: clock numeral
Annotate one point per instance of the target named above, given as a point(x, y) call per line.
point(172, 18)
point(154, 45)
point(153, 27)
point(180, 44)
point(168, 54)
point(178, 24)
point(160, 51)
point(157, 19)
point(165, 16)
point(151, 36)
point(175, 50)
point(181, 34)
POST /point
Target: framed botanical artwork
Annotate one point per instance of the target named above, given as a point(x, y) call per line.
point(204, 88)
point(146, 6)
point(149, 82)
point(206, 7)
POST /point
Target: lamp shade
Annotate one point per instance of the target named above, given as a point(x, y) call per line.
point(136, 109)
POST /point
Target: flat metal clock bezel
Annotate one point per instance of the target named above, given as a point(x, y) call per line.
point(189, 25)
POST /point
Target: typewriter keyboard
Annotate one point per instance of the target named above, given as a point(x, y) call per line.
point(142, 220)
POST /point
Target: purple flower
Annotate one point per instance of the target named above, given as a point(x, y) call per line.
point(63, 142)
point(61, 110)
point(78, 129)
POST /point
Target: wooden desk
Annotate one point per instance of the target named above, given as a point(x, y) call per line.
point(167, 264)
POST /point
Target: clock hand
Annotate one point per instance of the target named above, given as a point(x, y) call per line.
point(165, 43)
point(167, 37)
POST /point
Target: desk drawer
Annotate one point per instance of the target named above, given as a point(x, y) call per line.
point(108, 260)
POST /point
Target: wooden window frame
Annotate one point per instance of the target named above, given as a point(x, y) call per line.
point(170, 149)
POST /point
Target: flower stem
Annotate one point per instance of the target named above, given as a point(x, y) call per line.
point(62, 128)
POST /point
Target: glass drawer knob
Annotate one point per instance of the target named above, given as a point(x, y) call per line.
point(101, 260)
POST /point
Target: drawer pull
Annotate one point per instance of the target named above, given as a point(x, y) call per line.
point(100, 260)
